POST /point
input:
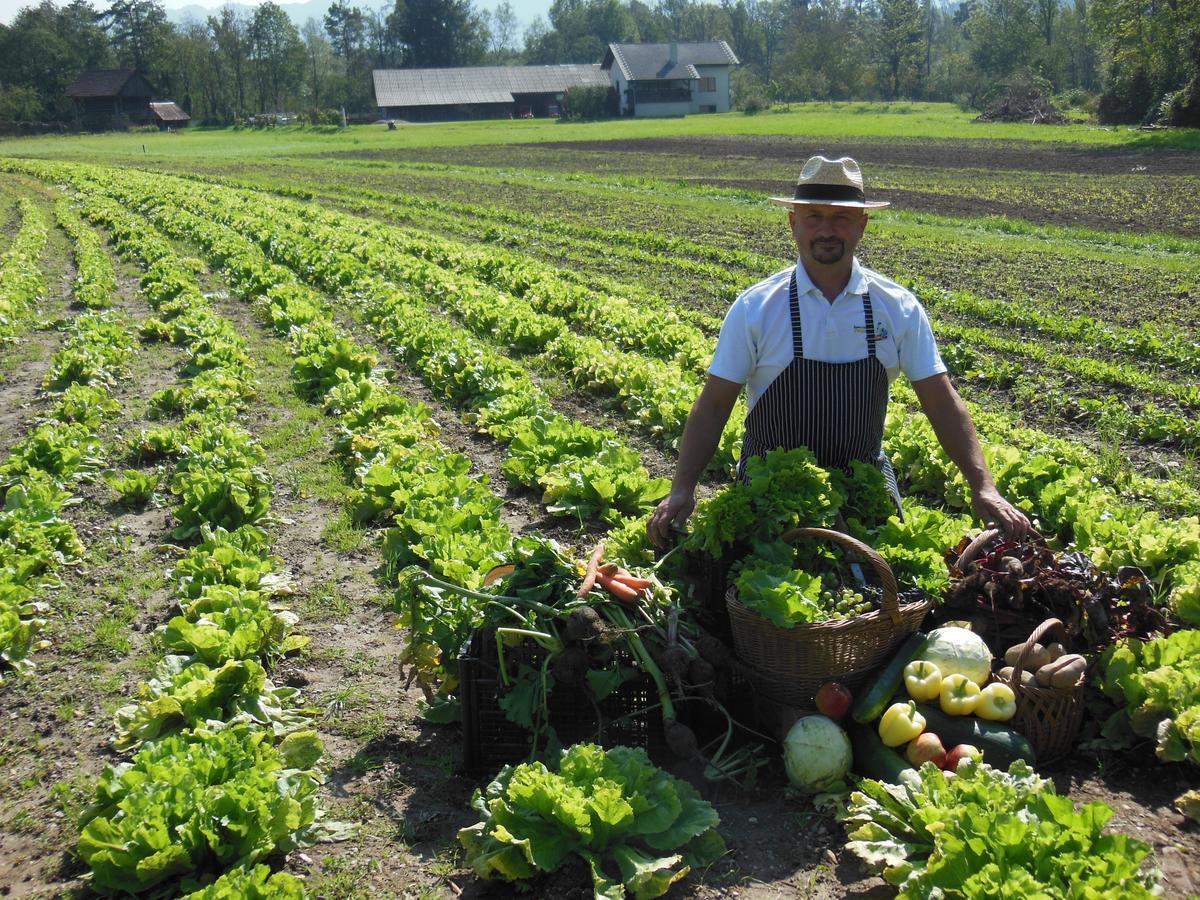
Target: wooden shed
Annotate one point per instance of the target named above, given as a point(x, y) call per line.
point(168, 115)
point(112, 98)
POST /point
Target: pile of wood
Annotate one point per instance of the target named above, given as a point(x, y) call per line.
point(1022, 104)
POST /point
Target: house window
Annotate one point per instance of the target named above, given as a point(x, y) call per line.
point(708, 85)
point(707, 108)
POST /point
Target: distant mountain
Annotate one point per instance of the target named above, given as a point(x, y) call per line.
point(526, 10)
point(299, 13)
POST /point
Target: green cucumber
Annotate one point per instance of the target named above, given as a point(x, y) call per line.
point(874, 699)
point(1001, 745)
point(872, 758)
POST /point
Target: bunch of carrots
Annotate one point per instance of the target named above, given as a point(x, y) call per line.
point(621, 583)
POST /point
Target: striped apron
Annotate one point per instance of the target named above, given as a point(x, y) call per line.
point(837, 410)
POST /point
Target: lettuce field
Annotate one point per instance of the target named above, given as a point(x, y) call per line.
point(258, 390)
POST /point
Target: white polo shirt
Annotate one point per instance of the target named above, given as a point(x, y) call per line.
point(756, 338)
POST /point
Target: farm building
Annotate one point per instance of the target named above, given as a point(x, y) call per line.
point(167, 114)
point(111, 98)
point(481, 92)
point(671, 79)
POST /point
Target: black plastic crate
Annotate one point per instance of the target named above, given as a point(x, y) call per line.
point(630, 716)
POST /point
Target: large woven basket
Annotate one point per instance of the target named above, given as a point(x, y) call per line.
point(795, 662)
point(1049, 717)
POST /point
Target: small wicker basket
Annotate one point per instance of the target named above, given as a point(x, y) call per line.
point(1049, 717)
point(795, 662)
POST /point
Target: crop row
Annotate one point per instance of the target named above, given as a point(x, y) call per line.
point(35, 540)
point(223, 775)
point(95, 279)
point(21, 281)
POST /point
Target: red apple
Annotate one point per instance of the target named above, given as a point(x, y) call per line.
point(925, 748)
point(833, 700)
point(961, 752)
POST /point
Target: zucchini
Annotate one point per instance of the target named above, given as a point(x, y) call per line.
point(1001, 745)
point(874, 699)
point(872, 758)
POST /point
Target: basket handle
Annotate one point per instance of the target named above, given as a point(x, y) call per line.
point(891, 592)
point(1038, 633)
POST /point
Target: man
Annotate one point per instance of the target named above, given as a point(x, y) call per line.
point(817, 347)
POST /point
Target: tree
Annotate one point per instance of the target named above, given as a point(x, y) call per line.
point(319, 64)
point(1003, 35)
point(1152, 52)
point(139, 30)
point(44, 50)
point(438, 33)
point(229, 31)
point(898, 34)
point(503, 25)
point(277, 57)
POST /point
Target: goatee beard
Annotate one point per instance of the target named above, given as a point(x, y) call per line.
point(828, 251)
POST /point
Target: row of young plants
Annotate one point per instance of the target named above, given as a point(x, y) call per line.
point(1064, 496)
point(36, 480)
point(224, 770)
point(96, 277)
point(21, 281)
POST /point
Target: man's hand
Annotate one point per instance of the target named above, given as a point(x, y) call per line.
point(674, 509)
point(997, 512)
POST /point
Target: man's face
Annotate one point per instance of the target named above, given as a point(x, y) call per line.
point(827, 235)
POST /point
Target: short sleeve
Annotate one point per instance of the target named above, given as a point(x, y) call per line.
point(733, 359)
point(919, 356)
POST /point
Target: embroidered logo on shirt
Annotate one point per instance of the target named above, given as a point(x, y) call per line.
point(881, 331)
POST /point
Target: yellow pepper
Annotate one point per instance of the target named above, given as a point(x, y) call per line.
point(900, 723)
point(923, 680)
point(959, 696)
point(997, 703)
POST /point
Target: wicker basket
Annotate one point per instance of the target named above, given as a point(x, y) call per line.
point(1049, 717)
point(795, 662)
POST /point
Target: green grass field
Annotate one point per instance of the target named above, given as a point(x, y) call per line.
point(901, 121)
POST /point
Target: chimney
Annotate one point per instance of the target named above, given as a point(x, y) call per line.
point(674, 54)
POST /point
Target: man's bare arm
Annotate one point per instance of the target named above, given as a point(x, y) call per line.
point(701, 435)
point(956, 432)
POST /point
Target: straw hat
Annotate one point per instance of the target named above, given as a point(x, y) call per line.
point(830, 182)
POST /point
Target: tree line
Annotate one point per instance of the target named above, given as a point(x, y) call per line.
point(1128, 61)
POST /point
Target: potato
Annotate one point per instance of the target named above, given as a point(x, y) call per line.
point(1055, 651)
point(1064, 672)
point(1069, 674)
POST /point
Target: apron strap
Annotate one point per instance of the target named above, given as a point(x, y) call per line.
point(794, 305)
point(869, 321)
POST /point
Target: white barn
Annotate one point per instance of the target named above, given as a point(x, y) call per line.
point(671, 79)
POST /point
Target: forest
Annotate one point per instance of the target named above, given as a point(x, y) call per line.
point(1111, 61)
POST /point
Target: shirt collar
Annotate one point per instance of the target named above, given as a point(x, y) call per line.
point(855, 287)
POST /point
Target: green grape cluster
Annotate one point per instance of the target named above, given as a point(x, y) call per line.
point(846, 603)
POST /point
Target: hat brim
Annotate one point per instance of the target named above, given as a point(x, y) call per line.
point(856, 204)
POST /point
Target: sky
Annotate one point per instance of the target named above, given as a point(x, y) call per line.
point(527, 10)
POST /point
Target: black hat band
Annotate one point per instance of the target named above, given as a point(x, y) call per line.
point(829, 192)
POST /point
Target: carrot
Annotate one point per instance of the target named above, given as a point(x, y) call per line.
point(638, 584)
point(495, 573)
point(610, 569)
point(621, 591)
point(589, 575)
